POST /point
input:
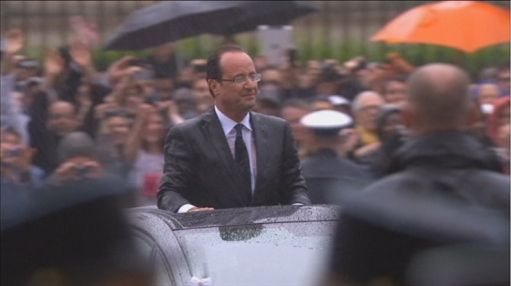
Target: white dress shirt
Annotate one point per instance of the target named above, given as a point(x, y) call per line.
point(230, 134)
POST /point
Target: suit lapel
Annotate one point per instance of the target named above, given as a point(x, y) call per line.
point(262, 145)
point(214, 134)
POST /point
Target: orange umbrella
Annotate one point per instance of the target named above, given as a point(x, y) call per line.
point(463, 25)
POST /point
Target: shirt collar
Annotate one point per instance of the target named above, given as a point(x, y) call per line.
point(228, 124)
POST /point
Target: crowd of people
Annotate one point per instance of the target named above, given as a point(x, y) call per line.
point(63, 121)
point(119, 117)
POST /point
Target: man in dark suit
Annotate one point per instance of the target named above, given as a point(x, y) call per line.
point(230, 157)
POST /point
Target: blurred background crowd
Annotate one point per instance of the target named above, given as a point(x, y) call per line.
point(63, 118)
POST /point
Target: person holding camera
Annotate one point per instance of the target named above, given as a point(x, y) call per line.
point(78, 161)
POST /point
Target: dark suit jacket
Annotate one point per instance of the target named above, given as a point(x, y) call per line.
point(199, 167)
point(331, 178)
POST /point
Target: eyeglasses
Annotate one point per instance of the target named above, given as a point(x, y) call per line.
point(242, 79)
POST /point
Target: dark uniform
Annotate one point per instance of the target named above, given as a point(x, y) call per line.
point(330, 177)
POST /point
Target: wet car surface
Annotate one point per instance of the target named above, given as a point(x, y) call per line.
point(277, 245)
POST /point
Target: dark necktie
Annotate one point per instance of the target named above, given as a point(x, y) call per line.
point(241, 158)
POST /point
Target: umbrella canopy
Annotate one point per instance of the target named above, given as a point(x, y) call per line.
point(463, 25)
point(174, 20)
point(251, 14)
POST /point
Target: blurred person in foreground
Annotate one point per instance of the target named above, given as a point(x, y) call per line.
point(231, 157)
point(444, 194)
point(72, 234)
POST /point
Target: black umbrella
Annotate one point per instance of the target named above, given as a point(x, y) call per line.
point(255, 13)
point(174, 20)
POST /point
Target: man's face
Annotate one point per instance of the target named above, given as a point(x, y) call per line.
point(232, 97)
point(119, 128)
point(368, 112)
point(13, 151)
point(62, 118)
point(395, 92)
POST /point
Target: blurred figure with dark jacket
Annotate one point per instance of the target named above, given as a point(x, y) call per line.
point(444, 193)
point(73, 234)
